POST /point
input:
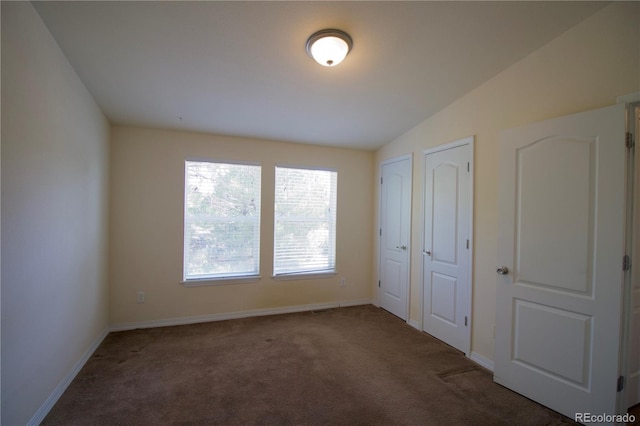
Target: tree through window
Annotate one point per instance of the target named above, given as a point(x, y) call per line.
point(305, 221)
point(221, 220)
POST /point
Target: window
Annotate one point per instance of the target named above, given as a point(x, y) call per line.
point(221, 220)
point(305, 221)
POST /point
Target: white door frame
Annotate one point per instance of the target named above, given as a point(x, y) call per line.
point(469, 140)
point(632, 224)
point(408, 271)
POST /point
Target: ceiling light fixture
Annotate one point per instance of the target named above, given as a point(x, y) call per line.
point(329, 47)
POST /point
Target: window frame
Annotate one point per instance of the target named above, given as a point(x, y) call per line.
point(316, 274)
point(232, 278)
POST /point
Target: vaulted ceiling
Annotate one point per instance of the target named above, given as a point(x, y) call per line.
point(240, 68)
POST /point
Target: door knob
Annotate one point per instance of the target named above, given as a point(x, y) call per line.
point(403, 247)
point(427, 252)
point(502, 270)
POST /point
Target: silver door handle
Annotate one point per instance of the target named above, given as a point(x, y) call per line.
point(402, 247)
point(502, 270)
point(427, 252)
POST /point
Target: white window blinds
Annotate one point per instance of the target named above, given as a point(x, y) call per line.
point(305, 221)
point(222, 220)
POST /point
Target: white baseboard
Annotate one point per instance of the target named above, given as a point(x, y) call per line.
point(414, 324)
point(482, 361)
point(347, 303)
point(48, 404)
point(234, 315)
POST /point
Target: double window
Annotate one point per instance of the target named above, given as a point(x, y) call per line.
point(222, 221)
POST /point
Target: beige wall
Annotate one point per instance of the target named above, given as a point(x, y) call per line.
point(585, 68)
point(147, 191)
point(54, 216)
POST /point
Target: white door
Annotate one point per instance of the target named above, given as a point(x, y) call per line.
point(560, 253)
point(395, 229)
point(446, 254)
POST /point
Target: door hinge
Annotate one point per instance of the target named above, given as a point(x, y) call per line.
point(466, 321)
point(628, 142)
point(626, 263)
point(381, 232)
point(467, 244)
point(378, 283)
point(467, 166)
point(620, 385)
point(380, 181)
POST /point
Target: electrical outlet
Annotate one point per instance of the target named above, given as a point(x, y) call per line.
point(343, 282)
point(140, 297)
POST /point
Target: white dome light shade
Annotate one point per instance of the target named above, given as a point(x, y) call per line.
point(329, 51)
point(329, 47)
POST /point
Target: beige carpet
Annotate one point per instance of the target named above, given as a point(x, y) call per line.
point(348, 366)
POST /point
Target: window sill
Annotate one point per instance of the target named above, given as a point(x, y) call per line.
point(305, 276)
point(202, 282)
